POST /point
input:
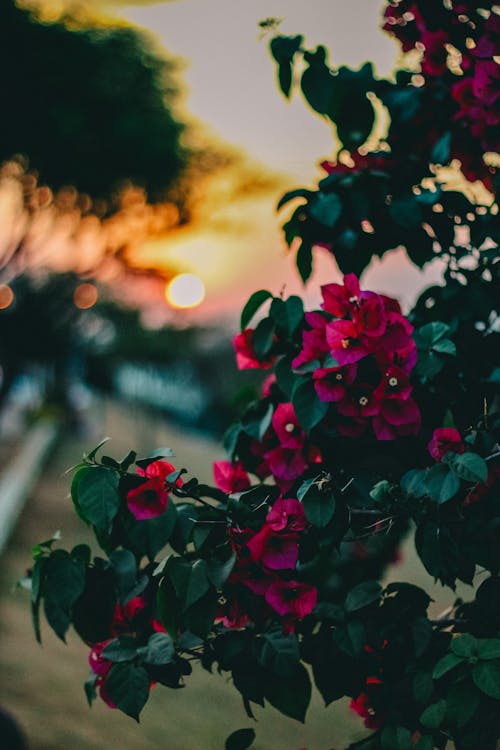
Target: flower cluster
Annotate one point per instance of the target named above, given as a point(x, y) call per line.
point(266, 559)
point(456, 40)
point(151, 497)
point(128, 619)
point(366, 353)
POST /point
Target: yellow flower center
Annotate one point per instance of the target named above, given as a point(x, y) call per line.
point(363, 401)
point(289, 427)
point(346, 343)
point(393, 382)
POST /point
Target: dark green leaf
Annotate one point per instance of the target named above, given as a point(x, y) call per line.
point(254, 303)
point(160, 649)
point(308, 408)
point(128, 687)
point(90, 688)
point(326, 208)
point(120, 649)
point(425, 743)
point(396, 738)
point(422, 632)
point(488, 648)
point(362, 595)
point(423, 687)
point(461, 703)
point(442, 484)
point(445, 346)
point(291, 194)
point(287, 314)
point(98, 497)
point(240, 740)
point(218, 572)
point(464, 645)
point(124, 566)
point(304, 260)
point(413, 482)
point(263, 337)
point(319, 507)
point(486, 676)
point(290, 695)
point(406, 212)
point(64, 584)
point(427, 336)
point(444, 665)
point(468, 466)
point(150, 535)
point(279, 653)
point(433, 716)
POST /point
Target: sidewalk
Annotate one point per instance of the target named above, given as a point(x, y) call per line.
point(42, 686)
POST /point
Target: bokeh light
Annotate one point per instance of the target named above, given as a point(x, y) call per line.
point(6, 296)
point(85, 296)
point(185, 290)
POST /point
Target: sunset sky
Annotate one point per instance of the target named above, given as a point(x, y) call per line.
point(235, 245)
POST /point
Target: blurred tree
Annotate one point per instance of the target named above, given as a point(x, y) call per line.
point(89, 107)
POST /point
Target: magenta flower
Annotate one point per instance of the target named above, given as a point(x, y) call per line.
point(445, 439)
point(292, 598)
point(330, 382)
point(150, 499)
point(287, 514)
point(274, 550)
point(341, 300)
point(395, 384)
point(230, 477)
point(314, 344)
point(370, 318)
point(285, 465)
point(246, 358)
point(287, 427)
point(397, 417)
point(344, 342)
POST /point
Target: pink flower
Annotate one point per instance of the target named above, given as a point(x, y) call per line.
point(341, 299)
point(285, 465)
point(395, 384)
point(98, 663)
point(331, 382)
point(371, 318)
point(436, 54)
point(287, 514)
point(230, 477)
point(363, 707)
point(314, 344)
point(360, 401)
point(274, 550)
point(445, 439)
point(124, 615)
point(287, 427)
point(345, 343)
point(150, 499)
point(246, 358)
point(398, 417)
point(292, 598)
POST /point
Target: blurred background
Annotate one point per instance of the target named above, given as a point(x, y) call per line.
point(143, 150)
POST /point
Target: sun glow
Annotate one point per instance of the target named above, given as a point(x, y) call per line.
point(185, 290)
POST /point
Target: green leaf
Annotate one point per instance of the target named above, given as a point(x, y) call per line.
point(423, 687)
point(413, 482)
point(291, 695)
point(263, 337)
point(169, 606)
point(427, 336)
point(291, 194)
point(121, 649)
point(89, 687)
point(64, 584)
point(304, 260)
point(218, 572)
point(254, 303)
point(319, 507)
point(445, 346)
point(124, 566)
point(442, 484)
point(285, 378)
point(98, 497)
point(308, 408)
point(464, 645)
point(326, 208)
point(406, 212)
point(190, 579)
point(468, 466)
point(461, 703)
point(444, 665)
point(488, 648)
point(486, 676)
point(279, 653)
point(441, 149)
point(318, 83)
point(128, 687)
point(396, 738)
point(92, 454)
point(149, 536)
point(287, 314)
point(160, 649)
point(362, 595)
point(37, 579)
point(422, 632)
point(433, 716)
point(424, 743)
point(283, 49)
point(240, 740)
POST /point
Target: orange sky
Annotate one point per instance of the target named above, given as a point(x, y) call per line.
point(235, 245)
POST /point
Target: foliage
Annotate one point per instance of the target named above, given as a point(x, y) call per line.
point(369, 424)
point(88, 106)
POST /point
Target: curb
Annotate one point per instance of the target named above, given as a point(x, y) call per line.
point(17, 481)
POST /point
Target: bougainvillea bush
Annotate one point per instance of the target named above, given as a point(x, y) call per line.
point(371, 424)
